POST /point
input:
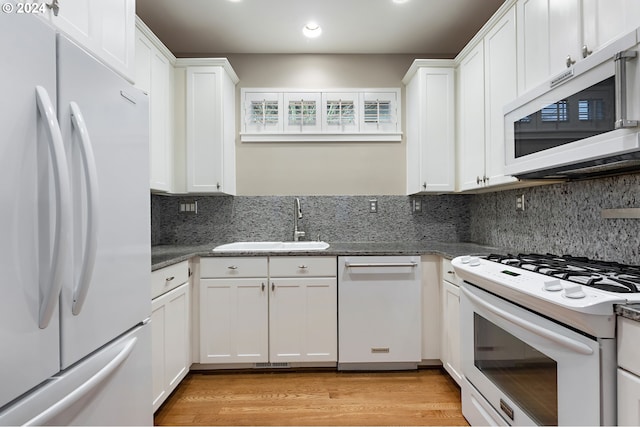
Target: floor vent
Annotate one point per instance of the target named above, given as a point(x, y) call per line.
point(269, 365)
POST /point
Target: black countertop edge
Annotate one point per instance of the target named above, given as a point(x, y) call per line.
point(166, 255)
point(630, 311)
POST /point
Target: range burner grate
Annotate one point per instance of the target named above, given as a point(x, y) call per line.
point(604, 275)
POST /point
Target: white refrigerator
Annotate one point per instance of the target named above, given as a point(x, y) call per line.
point(75, 240)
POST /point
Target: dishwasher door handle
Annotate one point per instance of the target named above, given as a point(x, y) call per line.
point(380, 264)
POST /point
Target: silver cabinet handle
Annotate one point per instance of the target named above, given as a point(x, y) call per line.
point(424, 185)
point(570, 61)
point(585, 51)
point(262, 286)
point(302, 267)
point(232, 267)
point(54, 6)
point(168, 279)
point(451, 272)
point(273, 287)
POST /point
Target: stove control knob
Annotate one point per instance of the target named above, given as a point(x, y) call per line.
point(574, 291)
point(474, 261)
point(553, 285)
point(466, 259)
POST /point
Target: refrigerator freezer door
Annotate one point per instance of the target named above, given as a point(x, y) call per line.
point(111, 387)
point(111, 202)
point(28, 202)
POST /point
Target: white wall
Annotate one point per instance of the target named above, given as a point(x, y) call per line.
point(302, 168)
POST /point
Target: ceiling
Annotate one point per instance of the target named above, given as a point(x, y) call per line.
point(433, 28)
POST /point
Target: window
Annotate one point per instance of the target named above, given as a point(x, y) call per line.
point(377, 111)
point(281, 115)
point(302, 113)
point(264, 112)
point(340, 112)
point(591, 109)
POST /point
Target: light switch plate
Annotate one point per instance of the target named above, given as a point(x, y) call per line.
point(520, 202)
point(373, 206)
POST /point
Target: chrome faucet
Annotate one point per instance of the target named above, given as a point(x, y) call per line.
point(297, 214)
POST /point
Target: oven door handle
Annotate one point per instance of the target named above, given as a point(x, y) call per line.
point(572, 345)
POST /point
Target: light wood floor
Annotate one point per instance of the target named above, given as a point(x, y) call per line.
point(329, 398)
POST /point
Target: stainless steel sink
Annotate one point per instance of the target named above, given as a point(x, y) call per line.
point(272, 247)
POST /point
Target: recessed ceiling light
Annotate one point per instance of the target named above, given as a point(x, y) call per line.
point(400, 1)
point(312, 30)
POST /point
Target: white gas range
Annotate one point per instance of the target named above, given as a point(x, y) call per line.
point(538, 337)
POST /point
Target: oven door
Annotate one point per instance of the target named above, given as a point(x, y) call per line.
point(531, 370)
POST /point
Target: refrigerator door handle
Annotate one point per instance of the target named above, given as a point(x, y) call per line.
point(63, 208)
point(91, 238)
point(85, 388)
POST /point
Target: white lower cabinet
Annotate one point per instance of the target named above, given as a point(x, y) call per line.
point(450, 306)
point(268, 310)
point(628, 372)
point(303, 322)
point(170, 329)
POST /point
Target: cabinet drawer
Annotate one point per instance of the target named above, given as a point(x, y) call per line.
point(628, 349)
point(233, 267)
point(447, 271)
point(168, 278)
point(294, 266)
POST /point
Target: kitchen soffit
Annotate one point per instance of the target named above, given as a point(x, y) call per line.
point(430, 28)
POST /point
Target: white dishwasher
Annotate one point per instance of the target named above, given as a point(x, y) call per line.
point(379, 312)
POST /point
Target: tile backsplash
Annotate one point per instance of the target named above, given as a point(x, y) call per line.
point(563, 219)
point(560, 218)
point(222, 219)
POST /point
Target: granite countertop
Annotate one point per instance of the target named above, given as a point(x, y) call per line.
point(165, 255)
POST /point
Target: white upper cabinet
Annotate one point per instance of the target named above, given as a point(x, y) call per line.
point(430, 116)
point(105, 28)
point(210, 127)
point(471, 120)
point(154, 75)
point(487, 80)
point(320, 115)
point(501, 87)
point(554, 34)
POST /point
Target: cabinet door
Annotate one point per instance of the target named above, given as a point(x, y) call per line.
point(430, 131)
point(303, 320)
point(471, 120)
point(533, 43)
point(605, 20)
point(234, 321)
point(565, 34)
point(628, 399)
point(170, 343)
point(160, 122)
point(107, 29)
point(500, 88)
point(210, 131)
point(451, 330)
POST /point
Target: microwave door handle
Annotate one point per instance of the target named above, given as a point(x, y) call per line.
point(568, 343)
point(620, 60)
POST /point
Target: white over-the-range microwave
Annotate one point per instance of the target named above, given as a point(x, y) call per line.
point(583, 123)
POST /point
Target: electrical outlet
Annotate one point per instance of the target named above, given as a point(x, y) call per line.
point(416, 205)
point(520, 202)
point(191, 207)
point(373, 206)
